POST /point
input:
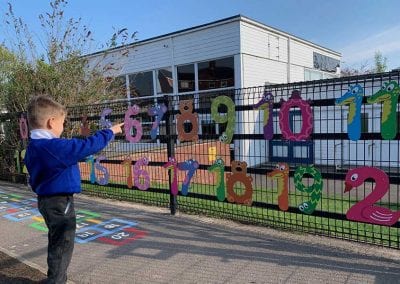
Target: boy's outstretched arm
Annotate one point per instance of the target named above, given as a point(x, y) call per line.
point(74, 150)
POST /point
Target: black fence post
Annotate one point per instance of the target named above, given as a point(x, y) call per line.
point(169, 120)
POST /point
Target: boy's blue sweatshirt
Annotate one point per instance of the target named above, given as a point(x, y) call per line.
point(53, 163)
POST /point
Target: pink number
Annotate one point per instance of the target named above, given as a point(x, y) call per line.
point(171, 165)
point(306, 114)
point(23, 128)
point(141, 174)
point(366, 210)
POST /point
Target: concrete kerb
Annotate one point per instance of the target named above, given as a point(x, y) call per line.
point(28, 263)
point(21, 259)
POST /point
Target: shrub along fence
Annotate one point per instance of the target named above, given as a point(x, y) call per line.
point(320, 157)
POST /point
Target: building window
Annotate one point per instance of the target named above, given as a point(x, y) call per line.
point(329, 76)
point(185, 78)
point(280, 151)
point(310, 75)
point(216, 74)
point(117, 87)
point(325, 63)
point(141, 84)
point(164, 81)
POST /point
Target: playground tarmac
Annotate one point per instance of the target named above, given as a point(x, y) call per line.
point(120, 242)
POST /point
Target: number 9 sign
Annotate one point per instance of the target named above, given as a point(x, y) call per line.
point(229, 118)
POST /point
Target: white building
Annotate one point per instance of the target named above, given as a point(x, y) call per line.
point(231, 53)
point(249, 54)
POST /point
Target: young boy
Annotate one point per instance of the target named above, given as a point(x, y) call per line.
point(52, 163)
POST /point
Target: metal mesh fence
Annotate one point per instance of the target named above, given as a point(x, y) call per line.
point(319, 157)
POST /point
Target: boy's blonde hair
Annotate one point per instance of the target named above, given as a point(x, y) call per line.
point(41, 108)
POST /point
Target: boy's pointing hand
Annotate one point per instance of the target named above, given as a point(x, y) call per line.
point(117, 128)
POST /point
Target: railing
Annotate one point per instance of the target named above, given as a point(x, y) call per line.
point(297, 160)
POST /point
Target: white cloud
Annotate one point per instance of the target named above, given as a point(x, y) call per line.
point(363, 50)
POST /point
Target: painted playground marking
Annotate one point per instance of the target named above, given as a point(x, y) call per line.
point(90, 226)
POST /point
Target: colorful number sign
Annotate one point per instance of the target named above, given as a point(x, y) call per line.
point(366, 210)
point(90, 161)
point(239, 174)
point(158, 112)
point(353, 98)
point(141, 176)
point(23, 128)
point(130, 123)
point(219, 168)
point(306, 114)
point(187, 116)
point(281, 174)
point(127, 163)
point(388, 96)
point(266, 103)
point(172, 167)
point(105, 175)
point(229, 118)
point(190, 166)
point(104, 122)
point(314, 190)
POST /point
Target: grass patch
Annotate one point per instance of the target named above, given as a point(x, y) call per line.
point(294, 221)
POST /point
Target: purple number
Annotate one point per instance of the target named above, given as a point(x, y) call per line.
point(102, 180)
point(132, 123)
point(105, 123)
point(190, 166)
point(158, 111)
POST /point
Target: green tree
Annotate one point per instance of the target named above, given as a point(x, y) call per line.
point(380, 62)
point(380, 65)
point(61, 70)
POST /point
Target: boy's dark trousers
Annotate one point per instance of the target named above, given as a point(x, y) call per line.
point(59, 214)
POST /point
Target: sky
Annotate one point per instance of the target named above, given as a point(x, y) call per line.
point(355, 28)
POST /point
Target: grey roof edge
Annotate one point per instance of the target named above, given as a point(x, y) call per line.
point(229, 19)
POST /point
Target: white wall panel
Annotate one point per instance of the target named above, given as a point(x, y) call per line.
point(263, 43)
point(257, 71)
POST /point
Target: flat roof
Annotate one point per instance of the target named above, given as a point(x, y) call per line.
point(229, 19)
